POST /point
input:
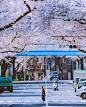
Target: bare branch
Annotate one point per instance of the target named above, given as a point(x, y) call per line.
point(37, 0)
point(20, 17)
point(82, 50)
point(27, 6)
point(1, 0)
point(11, 51)
point(15, 37)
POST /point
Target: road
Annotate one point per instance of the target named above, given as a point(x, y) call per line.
point(30, 95)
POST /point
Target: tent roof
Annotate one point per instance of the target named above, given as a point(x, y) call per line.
point(51, 52)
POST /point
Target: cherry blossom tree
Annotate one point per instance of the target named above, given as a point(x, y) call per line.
point(34, 21)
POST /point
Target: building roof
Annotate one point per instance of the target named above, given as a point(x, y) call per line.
point(80, 70)
point(51, 52)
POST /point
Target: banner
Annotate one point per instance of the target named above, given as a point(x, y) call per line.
point(0, 71)
point(11, 70)
point(7, 72)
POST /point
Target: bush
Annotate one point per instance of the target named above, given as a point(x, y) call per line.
point(16, 79)
point(27, 77)
point(22, 79)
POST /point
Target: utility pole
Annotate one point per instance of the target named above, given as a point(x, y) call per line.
point(82, 63)
point(44, 67)
point(24, 68)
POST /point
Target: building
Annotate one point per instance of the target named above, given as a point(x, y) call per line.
point(35, 67)
point(81, 63)
point(62, 65)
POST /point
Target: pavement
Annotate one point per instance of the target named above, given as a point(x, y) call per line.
point(25, 95)
point(42, 81)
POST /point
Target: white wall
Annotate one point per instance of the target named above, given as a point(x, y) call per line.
point(77, 64)
point(57, 68)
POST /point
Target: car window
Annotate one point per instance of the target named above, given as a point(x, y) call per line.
point(82, 79)
point(54, 73)
point(77, 79)
point(82, 84)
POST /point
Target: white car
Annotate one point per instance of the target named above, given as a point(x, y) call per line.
point(77, 81)
point(81, 89)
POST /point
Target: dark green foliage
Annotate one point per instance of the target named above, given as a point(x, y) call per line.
point(22, 76)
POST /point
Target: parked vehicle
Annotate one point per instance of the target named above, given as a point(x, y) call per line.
point(84, 79)
point(81, 89)
point(78, 74)
point(54, 74)
point(55, 84)
point(6, 84)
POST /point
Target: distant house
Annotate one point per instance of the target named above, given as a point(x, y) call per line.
point(35, 67)
point(63, 65)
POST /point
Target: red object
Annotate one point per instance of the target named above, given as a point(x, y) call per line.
point(43, 91)
point(10, 87)
point(1, 87)
point(78, 46)
point(60, 71)
point(48, 72)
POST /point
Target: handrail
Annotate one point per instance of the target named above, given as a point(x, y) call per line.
point(54, 46)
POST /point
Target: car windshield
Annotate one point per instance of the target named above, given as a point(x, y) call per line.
point(77, 79)
point(54, 73)
point(82, 79)
point(82, 84)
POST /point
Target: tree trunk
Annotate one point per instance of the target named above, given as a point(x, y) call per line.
point(14, 68)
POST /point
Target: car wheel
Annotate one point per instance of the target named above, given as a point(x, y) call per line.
point(83, 96)
point(1, 91)
point(11, 90)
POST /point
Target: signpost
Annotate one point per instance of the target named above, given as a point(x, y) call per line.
point(28, 68)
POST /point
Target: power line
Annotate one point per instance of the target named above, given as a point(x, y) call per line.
point(68, 36)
